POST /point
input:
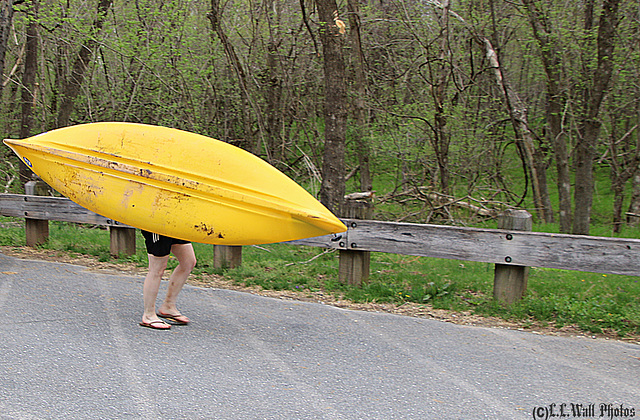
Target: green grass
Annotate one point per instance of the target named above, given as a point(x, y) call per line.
point(593, 302)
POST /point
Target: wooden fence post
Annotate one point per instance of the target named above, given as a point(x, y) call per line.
point(353, 266)
point(510, 281)
point(36, 230)
point(123, 241)
point(226, 256)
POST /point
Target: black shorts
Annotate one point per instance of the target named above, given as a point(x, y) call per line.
point(158, 245)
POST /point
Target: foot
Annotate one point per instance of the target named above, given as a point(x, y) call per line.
point(179, 319)
point(155, 325)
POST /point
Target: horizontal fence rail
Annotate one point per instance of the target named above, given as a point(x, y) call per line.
point(50, 208)
point(497, 246)
point(534, 249)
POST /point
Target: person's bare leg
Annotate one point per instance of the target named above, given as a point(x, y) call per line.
point(151, 286)
point(186, 262)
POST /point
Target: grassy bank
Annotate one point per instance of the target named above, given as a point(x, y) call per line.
point(595, 303)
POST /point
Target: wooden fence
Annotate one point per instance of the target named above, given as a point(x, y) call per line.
point(512, 249)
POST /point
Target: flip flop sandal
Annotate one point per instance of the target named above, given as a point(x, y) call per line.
point(153, 324)
point(173, 318)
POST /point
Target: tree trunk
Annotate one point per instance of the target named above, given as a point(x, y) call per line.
point(563, 182)
point(73, 84)
point(215, 17)
point(624, 166)
point(589, 128)
point(28, 95)
point(633, 216)
point(6, 20)
point(555, 134)
point(519, 119)
point(273, 104)
point(273, 91)
point(618, 198)
point(29, 78)
point(359, 86)
point(534, 158)
point(441, 69)
point(332, 189)
point(540, 157)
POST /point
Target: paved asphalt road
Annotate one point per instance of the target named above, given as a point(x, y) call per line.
point(71, 348)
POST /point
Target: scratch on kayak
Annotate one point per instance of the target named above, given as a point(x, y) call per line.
point(145, 173)
point(202, 227)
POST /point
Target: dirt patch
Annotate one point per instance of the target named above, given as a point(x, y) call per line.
point(406, 309)
point(88, 261)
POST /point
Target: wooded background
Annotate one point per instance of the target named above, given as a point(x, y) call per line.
point(486, 103)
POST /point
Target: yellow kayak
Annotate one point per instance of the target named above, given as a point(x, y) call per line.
point(175, 183)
